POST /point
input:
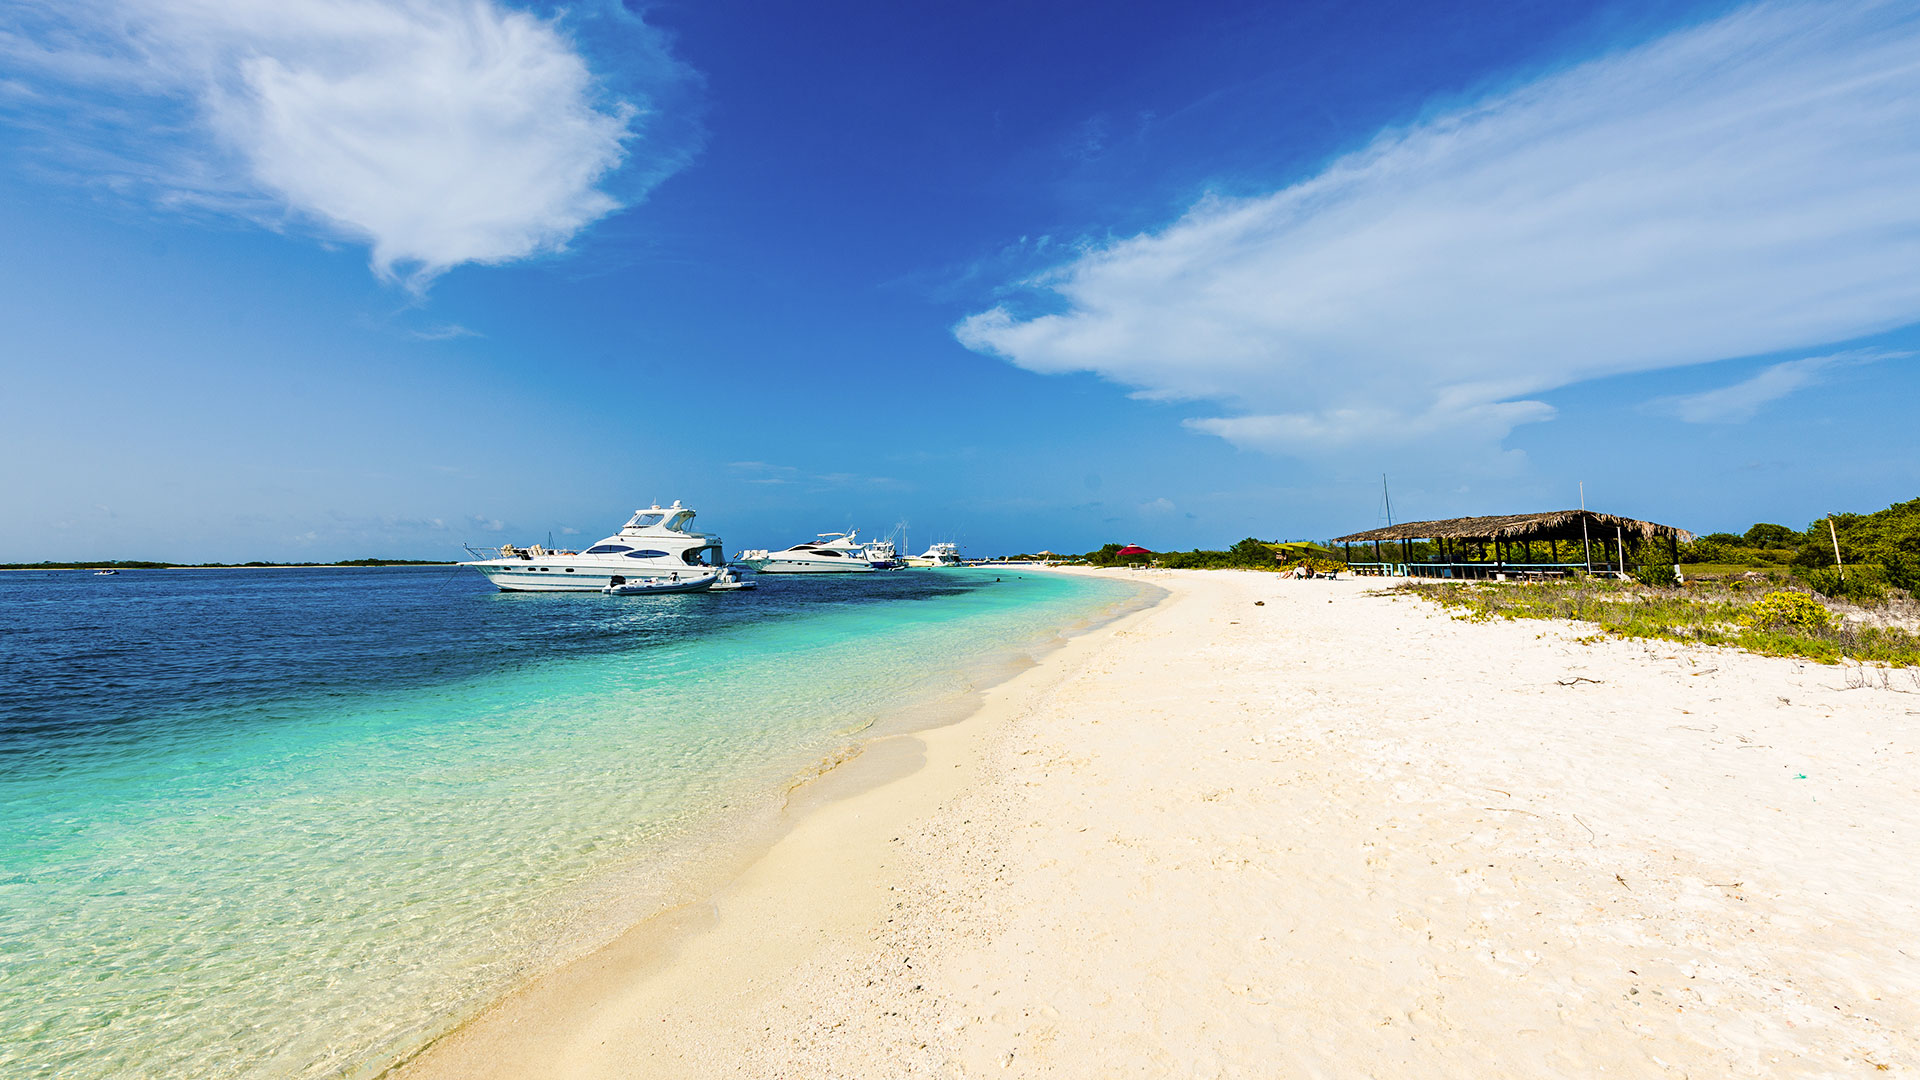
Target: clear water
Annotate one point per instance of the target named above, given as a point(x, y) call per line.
point(293, 822)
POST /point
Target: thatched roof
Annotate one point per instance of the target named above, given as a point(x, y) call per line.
point(1558, 525)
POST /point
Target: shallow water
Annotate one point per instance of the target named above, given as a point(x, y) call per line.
point(291, 822)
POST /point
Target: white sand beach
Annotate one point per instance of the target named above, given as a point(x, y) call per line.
point(1329, 834)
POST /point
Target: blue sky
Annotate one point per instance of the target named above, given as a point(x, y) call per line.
point(331, 278)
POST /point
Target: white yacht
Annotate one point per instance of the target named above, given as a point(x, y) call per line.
point(656, 543)
point(940, 554)
point(833, 553)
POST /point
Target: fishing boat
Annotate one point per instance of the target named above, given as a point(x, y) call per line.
point(882, 555)
point(657, 542)
point(105, 573)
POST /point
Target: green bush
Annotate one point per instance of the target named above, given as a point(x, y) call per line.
point(1860, 584)
point(1784, 610)
point(1658, 575)
point(1902, 572)
point(1250, 552)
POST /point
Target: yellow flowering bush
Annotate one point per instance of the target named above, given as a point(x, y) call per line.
point(1788, 610)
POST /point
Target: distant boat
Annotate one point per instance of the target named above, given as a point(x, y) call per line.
point(655, 543)
point(940, 554)
point(833, 553)
point(105, 573)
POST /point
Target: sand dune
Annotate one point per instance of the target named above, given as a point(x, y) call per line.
point(1336, 834)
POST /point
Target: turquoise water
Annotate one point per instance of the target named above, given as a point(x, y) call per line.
point(292, 823)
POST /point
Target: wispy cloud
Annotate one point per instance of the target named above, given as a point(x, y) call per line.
point(1744, 399)
point(1735, 188)
point(761, 472)
point(448, 332)
point(438, 132)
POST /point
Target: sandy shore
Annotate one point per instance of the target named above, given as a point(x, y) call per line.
point(1331, 835)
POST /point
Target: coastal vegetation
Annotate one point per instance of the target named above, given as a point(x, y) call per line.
point(1880, 553)
point(1759, 617)
point(1771, 590)
point(1249, 554)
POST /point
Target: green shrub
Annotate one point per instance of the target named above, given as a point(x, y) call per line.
point(1860, 584)
point(1659, 575)
point(1788, 611)
point(1902, 572)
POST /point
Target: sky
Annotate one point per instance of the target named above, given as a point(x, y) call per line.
point(328, 279)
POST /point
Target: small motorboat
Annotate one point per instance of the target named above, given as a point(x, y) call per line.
point(670, 583)
point(105, 573)
point(731, 579)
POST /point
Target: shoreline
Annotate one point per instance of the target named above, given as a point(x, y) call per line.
point(1337, 833)
point(880, 753)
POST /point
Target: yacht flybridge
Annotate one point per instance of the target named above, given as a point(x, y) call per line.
point(833, 553)
point(656, 544)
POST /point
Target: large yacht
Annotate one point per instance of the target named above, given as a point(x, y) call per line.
point(656, 543)
point(833, 553)
point(940, 554)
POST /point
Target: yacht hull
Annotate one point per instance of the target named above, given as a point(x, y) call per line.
point(805, 566)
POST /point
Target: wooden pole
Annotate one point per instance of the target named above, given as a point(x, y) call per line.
point(1620, 539)
point(1831, 531)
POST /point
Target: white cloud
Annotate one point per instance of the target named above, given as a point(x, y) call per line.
point(438, 132)
point(1736, 188)
point(1744, 399)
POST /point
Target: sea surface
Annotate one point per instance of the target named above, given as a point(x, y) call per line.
point(296, 822)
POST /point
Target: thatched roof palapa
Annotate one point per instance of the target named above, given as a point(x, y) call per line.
point(1557, 525)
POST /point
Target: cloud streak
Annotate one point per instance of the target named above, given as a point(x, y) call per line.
point(437, 132)
point(1743, 400)
point(1735, 188)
